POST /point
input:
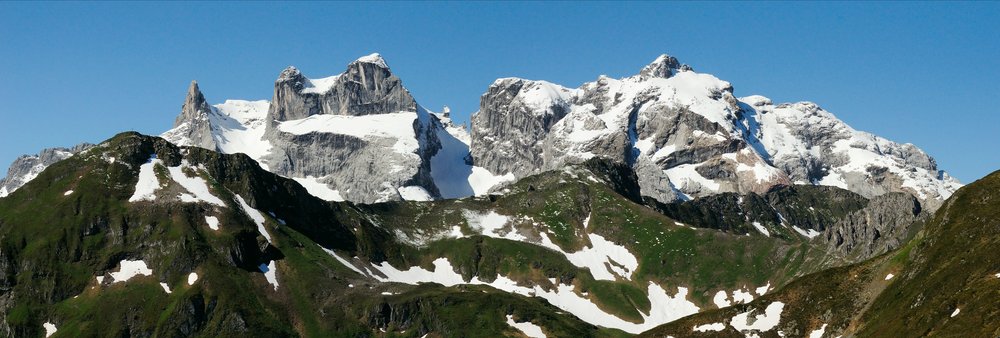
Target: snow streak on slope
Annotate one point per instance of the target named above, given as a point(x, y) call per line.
point(664, 307)
point(145, 188)
point(398, 126)
point(448, 166)
point(315, 188)
point(527, 328)
point(256, 216)
point(195, 185)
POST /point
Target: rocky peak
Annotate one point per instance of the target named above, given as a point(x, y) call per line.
point(194, 107)
point(291, 75)
point(664, 66)
point(374, 59)
point(192, 127)
point(366, 87)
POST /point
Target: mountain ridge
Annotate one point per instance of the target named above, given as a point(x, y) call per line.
point(685, 134)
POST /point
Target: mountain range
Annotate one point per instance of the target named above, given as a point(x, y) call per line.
point(658, 204)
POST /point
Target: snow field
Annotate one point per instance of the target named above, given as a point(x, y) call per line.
point(529, 329)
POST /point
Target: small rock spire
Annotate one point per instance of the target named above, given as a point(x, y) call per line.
point(194, 106)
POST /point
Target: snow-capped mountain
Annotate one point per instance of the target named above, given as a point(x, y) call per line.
point(688, 136)
point(360, 136)
point(357, 136)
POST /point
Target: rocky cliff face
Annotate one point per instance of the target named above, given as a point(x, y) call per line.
point(367, 87)
point(357, 136)
point(361, 136)
point(883, 225)
point(27, 167)
point(193, 126)
point(688, 136)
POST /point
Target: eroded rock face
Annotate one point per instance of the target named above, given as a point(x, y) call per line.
point(193, 124)
point(696, 133)
point(677, 128)
point(367, 87)
point(26, 167)
point(360, 134)
point(512, 139)
point(881, 226)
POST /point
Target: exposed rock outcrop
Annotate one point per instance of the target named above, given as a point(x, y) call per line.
point(686, 133)
point(26, 167)
point(883, 225)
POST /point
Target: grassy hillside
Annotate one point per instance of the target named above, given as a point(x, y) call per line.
point(64, 235)
point(945, 282)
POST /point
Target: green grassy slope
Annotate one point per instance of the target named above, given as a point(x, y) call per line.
point(944, 283)
point(54, 245)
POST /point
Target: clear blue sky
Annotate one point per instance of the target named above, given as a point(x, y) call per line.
point(926, 73)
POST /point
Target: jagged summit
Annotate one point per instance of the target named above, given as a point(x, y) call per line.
point(194, 104)
point(373, 58)
point(664, 66)
point(363, 135)
point(289, 73)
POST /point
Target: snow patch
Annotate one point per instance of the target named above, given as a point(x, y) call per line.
point(415, 193)
point(809, 233)
point(195, 185)
point(193, 277)
point(449, 170)
point(957, 310)
point(483, 180)
point(344, 261)
point(145, 188)
point(740, 296)
point(665, 308)
point(270, 273)
point(256, 216)
point(529, 329)
point(709, 327)
point(763, 289)
point(213, 223)
point(319, 86)
point(889, 276)
point(762, 322)
point(688, 179)
point(374, 58)
point(721, 299)
point(129, 269)
point(490, 224)
point(50, 328)
point(818, 333)
point(68, 192)
point(599, 257)
point(166, 288)
point(761, 228)
point(320, 190)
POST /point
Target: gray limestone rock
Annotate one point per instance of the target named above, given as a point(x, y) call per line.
point(27, 167)
point(359, 166)
point(366, 87)
point(193, 123)
point(508, 131)
point(888, 221)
